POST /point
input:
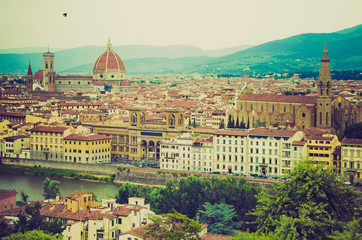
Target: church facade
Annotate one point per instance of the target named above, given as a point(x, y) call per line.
point(109, 73)
point(331, 113)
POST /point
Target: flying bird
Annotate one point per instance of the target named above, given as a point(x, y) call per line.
point(65, 14)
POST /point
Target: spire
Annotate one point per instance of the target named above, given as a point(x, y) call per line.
point(109, 45)
point(29, 70)
point(325, 51)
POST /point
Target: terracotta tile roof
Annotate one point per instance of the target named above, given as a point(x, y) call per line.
point(49, 129)
point(80, 137)
point(38, 75)
point(75, 195)
point(122, 212)
point(352, 141)
point(279, 98)
point(7, 192)
point(74, 77)
point(137, 232)
point(299, 143)
point(12, 114)
point(232, 132)
point(319, 137)
point(272, 132)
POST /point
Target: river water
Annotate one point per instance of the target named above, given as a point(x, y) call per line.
point(32, 185)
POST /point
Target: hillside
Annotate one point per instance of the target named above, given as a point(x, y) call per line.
point(293, 54)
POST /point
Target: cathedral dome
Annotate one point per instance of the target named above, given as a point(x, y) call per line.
point(38, 75)
point(109, 66)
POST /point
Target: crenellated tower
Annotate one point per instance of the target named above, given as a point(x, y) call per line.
point(29, 80)
point(48, 72)
point(324, 95)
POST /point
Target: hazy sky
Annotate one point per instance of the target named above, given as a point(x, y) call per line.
point(209, 24)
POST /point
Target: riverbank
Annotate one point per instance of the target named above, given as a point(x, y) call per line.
point(48, 172)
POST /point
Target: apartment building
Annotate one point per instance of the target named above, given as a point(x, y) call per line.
point(258, 151)
point(90, 148)
point(16, 146)
point(351, 156)
point(321, 148)
point(46, 143)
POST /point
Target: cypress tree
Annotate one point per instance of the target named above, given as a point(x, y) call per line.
point(237, 123)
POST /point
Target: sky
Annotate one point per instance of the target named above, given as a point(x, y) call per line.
point(208, 24)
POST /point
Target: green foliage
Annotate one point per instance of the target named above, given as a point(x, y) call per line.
point(32, 235)
point(51, 188)
point(172, 226)
point(307, 206)
point(36, 221)
point(38, 171)
point(5, 229)
point(222, 124)
point(351, 231)
point(257, 236)
point(354, 131)
point(131, 190)
point(221, 218)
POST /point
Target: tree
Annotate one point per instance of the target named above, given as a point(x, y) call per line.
point(220, 217)
point(308, 205)
point(248, 125)
point(222, 124)
point(354, 131)
point(126, 191)
point(230, 122)
point(51, 188)
point(32, 220)
point(172, 226)
point(351, 231)
point(190, 122)
point(194, 123)
point(237, 123)
point(32, 235)
point(242, 125)
point(24, 196)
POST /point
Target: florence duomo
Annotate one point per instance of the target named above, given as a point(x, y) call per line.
point(109, 74)
point(192, 120)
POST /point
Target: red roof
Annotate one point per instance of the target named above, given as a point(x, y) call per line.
point(49, 129)
point(232, 132)
point(109, 60)
point(125, 83)
point(38, 75)
point(279, 98)
point(79, 137)
point(272, 132)
point(353, 141)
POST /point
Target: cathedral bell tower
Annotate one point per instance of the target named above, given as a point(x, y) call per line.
point(48, 72)
point(324, 95)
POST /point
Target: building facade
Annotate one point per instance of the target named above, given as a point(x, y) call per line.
point(351, 154)
point(325, 111)
point(89, 148)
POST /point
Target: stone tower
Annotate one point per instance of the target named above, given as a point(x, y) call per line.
point(324, 95)
point(29, 80)
point(48, 67)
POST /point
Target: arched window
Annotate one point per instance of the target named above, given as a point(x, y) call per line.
point(171, 120)
point(320, 117)
point(134, 118)
point(327, 118)
point(241, 106)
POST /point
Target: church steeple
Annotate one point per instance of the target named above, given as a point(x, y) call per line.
point(29, 80)
point(29, 70)
point(324, 94)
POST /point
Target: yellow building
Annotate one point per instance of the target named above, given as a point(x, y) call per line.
point(80, 201)
point(89, 148)
point(15, 145)
point(351, 152)
point(47, 142)
point(321, 149)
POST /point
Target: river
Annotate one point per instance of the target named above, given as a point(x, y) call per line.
point(32, 185)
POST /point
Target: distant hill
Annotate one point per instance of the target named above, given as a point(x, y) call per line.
point(68, 60)
point(293, 54)
point(296, 53)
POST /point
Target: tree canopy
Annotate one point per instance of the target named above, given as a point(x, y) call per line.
point(32, 235)
point(51, 188)
point(307, 206)
point(221, 218)
point(172, 226)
